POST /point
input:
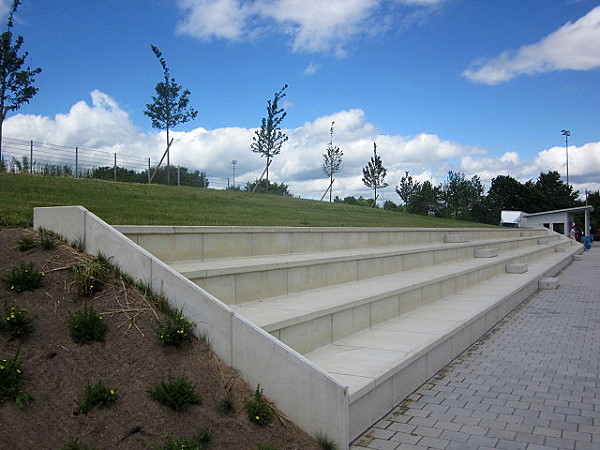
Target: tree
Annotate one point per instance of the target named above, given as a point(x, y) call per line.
point(16, 83)
point(425, 200)
point(460, 195)
point(374, 173)
point(169, 106)
point(332, 161)
point(268, 140)
point(408, 187)
point(554, 193)
point(266, 187)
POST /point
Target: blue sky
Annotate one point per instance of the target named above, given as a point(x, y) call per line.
point(479, 87)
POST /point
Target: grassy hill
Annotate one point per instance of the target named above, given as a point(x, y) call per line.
point(139, 204)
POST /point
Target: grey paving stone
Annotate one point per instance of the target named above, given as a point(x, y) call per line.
point(530, 384)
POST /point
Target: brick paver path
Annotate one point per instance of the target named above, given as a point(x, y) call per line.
point(533, 382)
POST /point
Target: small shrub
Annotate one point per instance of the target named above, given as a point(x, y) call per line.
point(25, 243)
point(11, 382)
point(175, 329)
point(324, 442)
point(259, 411)
point(177, 393)
point(267, 447)
point(89, 277)
point(87, 325)
point(76, 444)
point(197, 442)
point(24, 277)
point(226, 406)
point(96, 396)
point(77, 244)
point(16, 321)
point(47, 242)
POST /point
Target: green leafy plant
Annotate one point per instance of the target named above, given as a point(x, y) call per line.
point(176, 393)
point(96, 396)
point(89, 277)
point(324, 442)
point(47, 241)
point(197, 442)
point(77, 244)
point(226, 406)
point(76, 444)
point(25, 243)
point(87, 325)
point(259, 411)
point(16, 321)
point(24, 277)
point(11, 382)
point(267, 447)
point(175, 329)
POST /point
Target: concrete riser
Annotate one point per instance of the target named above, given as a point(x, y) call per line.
point(209, 243)
point(252, 285)
point(326, 329)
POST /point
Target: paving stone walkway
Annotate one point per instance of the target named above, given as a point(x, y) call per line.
point(533, 382)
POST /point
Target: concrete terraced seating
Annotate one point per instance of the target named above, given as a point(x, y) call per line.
point(381, 310)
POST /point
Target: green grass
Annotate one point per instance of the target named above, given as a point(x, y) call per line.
point(140, 204)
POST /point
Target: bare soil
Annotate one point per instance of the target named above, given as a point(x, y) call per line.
point(131, 360)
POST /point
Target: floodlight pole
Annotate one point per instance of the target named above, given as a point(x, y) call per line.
point(566, 134)
point(233, 163)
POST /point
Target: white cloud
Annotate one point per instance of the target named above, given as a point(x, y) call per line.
point(104, 126)
point(314, 25)
point(214, 18)
point(312, 68)
point(5, 6)
point(575, 46)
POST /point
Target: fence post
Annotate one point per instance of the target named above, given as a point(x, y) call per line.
point(31, 157)
point(148, 170)
point(76, 162)
point(115, 167)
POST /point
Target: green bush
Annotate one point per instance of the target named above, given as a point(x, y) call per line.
point(87, 325)
point(175, 329)
point(176, 393)
point(47, 241)
point(76, 444)
point(267, 447)
point(96, 396)
point(197, 442)
point(24, 277)
point(16, 321)
point(25, 243)
point(226, 406)
point(89, 277)
point(324, 442)
point(11, 382)
point(259, 411)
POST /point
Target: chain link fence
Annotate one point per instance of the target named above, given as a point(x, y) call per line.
point(20, 156)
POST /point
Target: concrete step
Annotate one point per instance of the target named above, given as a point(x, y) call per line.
point(385, 363)
point(239, 280)
point(307, 320)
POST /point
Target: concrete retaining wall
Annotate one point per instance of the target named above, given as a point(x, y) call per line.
point(305, 393)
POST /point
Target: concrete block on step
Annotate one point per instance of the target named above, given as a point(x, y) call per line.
point(486, 252)
point(456, 238)
point(516, 268)
point(548, 283)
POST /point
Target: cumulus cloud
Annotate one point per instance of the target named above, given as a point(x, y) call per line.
point(314, 26)
point(575, 46)
point(102, 125)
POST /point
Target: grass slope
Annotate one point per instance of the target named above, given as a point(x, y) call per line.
point(139, 204)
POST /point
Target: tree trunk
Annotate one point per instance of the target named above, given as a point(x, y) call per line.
point(168, 160)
